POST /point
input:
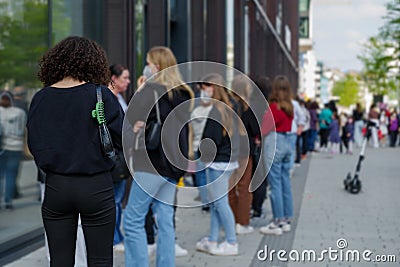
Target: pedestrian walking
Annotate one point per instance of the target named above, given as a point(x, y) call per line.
point(64, 139)
point(348, 135)
point(312, 137)
point(373, 116)
point(277, 126)
point(393, 128)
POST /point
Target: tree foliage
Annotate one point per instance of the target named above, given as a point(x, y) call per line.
point(347, 90)
point(381, 54)
point(23, 40)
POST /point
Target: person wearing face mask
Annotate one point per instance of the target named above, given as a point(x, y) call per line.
point(155, 176)
point(198, 121)
point(221, 159)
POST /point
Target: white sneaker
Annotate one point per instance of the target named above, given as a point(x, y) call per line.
point(151, 249)
point(206, 246)
point(179, 251)
point(285, 225)
point(119, 247)
point(243, 229)
point(271, 229)
point(226, 249)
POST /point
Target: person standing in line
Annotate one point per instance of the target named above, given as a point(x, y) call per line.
point(348, 135)
point(119, 84)
point(313, 107)
point(276, 127)
point(393, 128)
point(334, 133)
point(305, 131)
point(325, 119)
point(155, 177)
point(64, 139)
point(298, 123)
point(373, 116)
point(12, 125)
point(240, 198)
point(260, 194)
point(221, 128)
point(358, 117)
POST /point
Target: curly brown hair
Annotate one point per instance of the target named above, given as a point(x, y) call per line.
point(76, 57)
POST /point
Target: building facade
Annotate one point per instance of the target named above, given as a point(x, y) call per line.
point(258, 37)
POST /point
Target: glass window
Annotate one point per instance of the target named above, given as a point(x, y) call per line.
point(304, 5)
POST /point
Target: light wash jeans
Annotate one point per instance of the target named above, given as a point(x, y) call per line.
point(146, 189)
point(358, 137)
point(221, 214)
point(291, 139)
point(201, 180)
point(279, 177)
point(119, 192)
point(9, 165)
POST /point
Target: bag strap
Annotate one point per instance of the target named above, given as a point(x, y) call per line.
point(98, 112)
point(157, 107)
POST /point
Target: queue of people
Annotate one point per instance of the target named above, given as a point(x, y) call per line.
point(118, 211)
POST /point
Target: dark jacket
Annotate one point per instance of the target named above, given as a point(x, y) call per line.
point(62, 135)
point(227, 147)
point(176, 131)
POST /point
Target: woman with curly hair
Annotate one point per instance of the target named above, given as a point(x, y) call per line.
point(65, 142)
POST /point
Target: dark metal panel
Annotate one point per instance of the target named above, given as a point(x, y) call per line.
point(179, 29)
point(216, 31)
point(239, 34)
point(155, 26)
point(197, 28)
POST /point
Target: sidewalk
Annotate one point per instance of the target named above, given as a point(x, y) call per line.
point(369, 220)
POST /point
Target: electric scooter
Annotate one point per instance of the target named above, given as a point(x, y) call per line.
point(353, 184)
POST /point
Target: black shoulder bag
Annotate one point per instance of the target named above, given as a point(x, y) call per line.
point(105, 137)
point(150, 138)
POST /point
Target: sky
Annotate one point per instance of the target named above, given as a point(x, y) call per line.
point(341, 26)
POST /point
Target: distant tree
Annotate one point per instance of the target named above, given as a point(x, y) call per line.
point(378, 72)
point(23, 40)
point(347, 90)
point(381, 54)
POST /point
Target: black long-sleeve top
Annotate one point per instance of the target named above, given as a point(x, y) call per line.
point(166, 159)
point(227, 147)
point(62, 135)
point(252, 127)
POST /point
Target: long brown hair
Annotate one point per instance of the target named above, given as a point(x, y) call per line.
point(220, 93)
point(282, 94)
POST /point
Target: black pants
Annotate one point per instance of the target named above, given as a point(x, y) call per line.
point(90, 196)
point(393, 138)
point(324, 137)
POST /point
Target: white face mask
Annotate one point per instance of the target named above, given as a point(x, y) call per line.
point(147, 72)
point(204, 97)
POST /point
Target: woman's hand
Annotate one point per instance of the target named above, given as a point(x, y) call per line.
point(140, 81)
point(138, 125)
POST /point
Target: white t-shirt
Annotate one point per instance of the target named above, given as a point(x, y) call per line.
point(13, 121)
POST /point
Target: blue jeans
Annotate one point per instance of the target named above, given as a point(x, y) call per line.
point(149, 189)
point(312, 137)
point(279, 177)
point(119, 192)
point(220, 212)
point(201, 180)
point(291, 139)
point(9, 165)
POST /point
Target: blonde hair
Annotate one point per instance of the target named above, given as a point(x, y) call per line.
point(241, 91)
point(164, 58)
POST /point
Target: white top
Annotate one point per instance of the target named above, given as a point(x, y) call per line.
point(122, 102)
point(223, 166)
point(198, 120)
point(12, 125)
